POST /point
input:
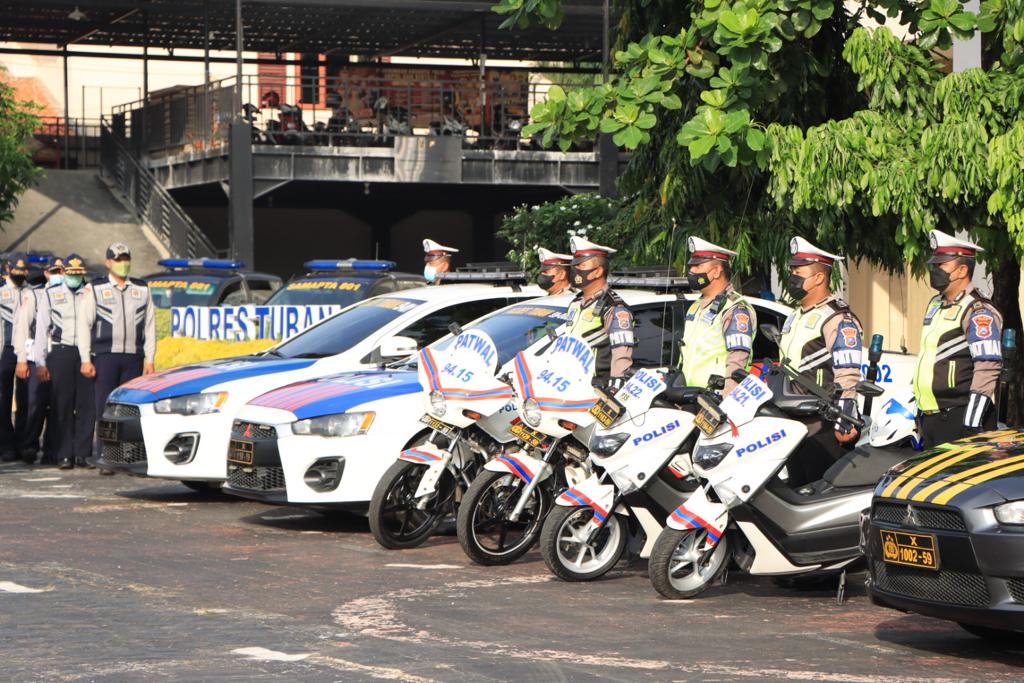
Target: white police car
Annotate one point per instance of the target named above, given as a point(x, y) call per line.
point(176, 424)
point(325, 443)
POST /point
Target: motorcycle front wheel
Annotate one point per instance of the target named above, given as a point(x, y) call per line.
point(680, 567)
point(486, 533)
point(570, 554)
point(395, 519)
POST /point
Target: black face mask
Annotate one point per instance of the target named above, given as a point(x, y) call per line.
point(938, 278)
point(698, 280)
point(17, 280)
point(579, 276)
point(545, 281)
point(795, 286)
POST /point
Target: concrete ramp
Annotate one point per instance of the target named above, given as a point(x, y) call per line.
point(75, 211)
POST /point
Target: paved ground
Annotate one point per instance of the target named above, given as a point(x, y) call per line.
point(120, 579)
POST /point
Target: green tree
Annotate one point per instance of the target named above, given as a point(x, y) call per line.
point(17, 172)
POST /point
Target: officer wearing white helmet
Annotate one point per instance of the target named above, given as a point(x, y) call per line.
point(554, 271)
point(822, 339)
point(720, 325)
point(437, 260)
point(961, 355)
point(597, 314)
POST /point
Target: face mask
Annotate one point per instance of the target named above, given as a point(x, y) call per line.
point(430, 273)
point(545, 281)
point(938, 278)
point(698, 280)
point(74, 281)
point(580, 275)
point(121, 268)
point(17, 280)
point(56, 279)
point(795, 286)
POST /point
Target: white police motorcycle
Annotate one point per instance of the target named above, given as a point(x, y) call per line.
point(470, 414)
point(501, 515)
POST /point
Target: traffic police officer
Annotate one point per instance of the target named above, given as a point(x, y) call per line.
point(57, 360)
point(116, 334)
point(12, 388)
point(598, 315)
point(720, 325)
point(554, 271)
point(961, 357)
point(437, 260)
point(38, 387)
point(822, 339)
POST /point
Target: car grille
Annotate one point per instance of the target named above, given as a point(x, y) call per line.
point(256, 478)
point(957, 588)
point(251, 430)
point(123, 452)
point(114, 410)
point(1016, 588)
point(941, 519)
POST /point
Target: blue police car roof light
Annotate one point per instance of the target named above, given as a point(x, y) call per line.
point(38, 258)
point(211, 263)
point(348, 264)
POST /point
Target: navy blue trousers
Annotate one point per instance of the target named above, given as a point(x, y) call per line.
point(112, 370)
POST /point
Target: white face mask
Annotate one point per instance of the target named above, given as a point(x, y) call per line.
point(430, 272)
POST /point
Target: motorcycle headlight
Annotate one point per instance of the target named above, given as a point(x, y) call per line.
point(708, 457)
point(1011, 513)
point(437, 405)
point(192, 404)
point(605, 445)
point(339, 424)
point(531, 412)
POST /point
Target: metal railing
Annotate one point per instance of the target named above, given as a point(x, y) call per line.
point(347, 110)
point(66, 143)
point(150, 200)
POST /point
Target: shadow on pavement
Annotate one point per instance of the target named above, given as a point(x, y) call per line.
point(301, 519)
point(938, 637)
point(177, 493)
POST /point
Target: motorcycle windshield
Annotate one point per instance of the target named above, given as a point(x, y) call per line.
point(460, 378)
point(556, 385)
point(639, 392)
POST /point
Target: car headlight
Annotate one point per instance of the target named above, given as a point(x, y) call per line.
point(1010, 513)
point(708, 457)
point(192, 404)
point(605, 445)
point(437, 405)
point(531, 412)
point(339, 424)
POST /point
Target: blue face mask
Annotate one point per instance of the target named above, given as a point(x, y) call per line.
point(74, 281)
point(56, 279)
point(430, 273)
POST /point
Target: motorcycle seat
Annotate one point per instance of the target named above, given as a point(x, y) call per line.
point(864, 465)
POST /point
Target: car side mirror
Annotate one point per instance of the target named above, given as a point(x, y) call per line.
point(771, 331)
point(866, 388)
point(394, 348)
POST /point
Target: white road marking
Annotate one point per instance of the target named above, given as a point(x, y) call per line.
point(60, 486)
point(43, 479)
point(402, 565)
point(264, 655)
point(177, 505)
point(49, 495)
point(11, 587)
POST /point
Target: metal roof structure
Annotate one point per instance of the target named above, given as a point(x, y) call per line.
point(371, 28)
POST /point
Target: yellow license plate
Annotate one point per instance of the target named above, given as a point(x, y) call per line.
point(528, 436)
point(437, 425)
point(707, 421)
point(241, 452)
point(607, 410)
point(911, 550)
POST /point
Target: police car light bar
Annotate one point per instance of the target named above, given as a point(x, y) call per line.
point(212, 263)
point(677, 284)
point(38, 258)
point(493, 276)
point(348, 264)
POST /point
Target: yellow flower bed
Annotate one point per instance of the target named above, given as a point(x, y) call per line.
point(174, 351)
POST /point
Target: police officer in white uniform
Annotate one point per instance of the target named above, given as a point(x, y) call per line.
point(56, 355)
point(437, 260)
point(554, 271)
point(116, 329)
point(12, 389)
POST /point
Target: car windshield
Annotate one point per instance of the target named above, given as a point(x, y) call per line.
point(343, 331)
point(322, 290)
point(182, 290)
point(515, 329)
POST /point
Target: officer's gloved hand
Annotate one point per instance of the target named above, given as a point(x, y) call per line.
point(614, 384)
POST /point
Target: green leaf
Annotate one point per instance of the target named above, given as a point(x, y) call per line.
point(736, 120)
point(556, 94)
point(610, 125)
point(964, 21)
point(672, 102)
point(755, 139)
point(701, 146)
point(646, 121)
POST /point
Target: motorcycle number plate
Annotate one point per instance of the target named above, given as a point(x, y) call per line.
point(109, 430)
point(437, 425)
point(708, 420)
point(241, 452)
point(528, 436)
point(607, 410)
point(910, 550)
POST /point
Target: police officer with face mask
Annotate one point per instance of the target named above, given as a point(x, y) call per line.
point(12, 389)
point(598, 315)
point(961, 354)
point(720, 325)
point(437, 260)
point(116, 329)
point(822, 339)
point(554, 271)
point(57, 360)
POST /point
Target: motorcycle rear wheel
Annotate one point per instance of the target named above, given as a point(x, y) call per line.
point(395, 520)
point(563, 544)
point(678, 567)
point(483, 525)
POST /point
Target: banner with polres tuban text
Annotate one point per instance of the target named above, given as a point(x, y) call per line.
point(247, 322)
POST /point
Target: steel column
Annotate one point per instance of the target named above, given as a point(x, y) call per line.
point(240, 197)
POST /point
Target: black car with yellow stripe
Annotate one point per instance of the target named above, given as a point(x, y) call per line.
point(343, 282)
point(945, 535)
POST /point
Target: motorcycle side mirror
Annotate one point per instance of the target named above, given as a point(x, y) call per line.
point(739, 375)
point(771, 331)
point(455, 329)
point(716, 382)
point(866, 388)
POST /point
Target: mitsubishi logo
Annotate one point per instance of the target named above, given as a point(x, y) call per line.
point(910, 517)
point(248, 434)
